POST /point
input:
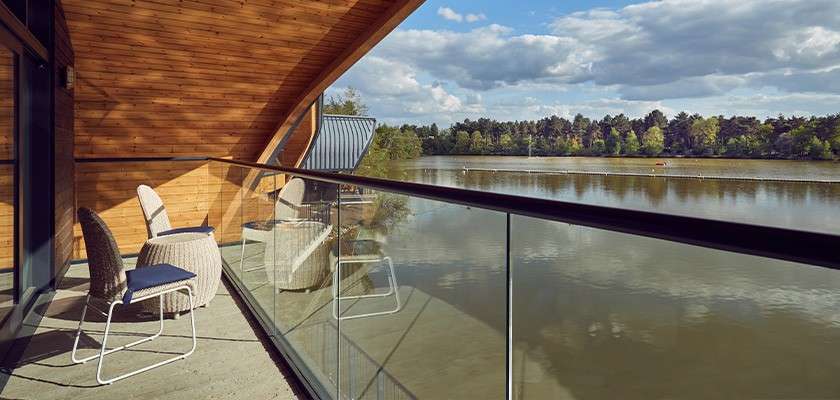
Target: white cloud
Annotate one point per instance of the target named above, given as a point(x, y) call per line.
point(643, 56)
point(531, 108)
point(663, 49)
point(485, 57)
point(392, 89)
point(475, 17)
point(660, 43)
point(450, 14)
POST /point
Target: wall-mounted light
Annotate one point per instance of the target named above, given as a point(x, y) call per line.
point(68, 77)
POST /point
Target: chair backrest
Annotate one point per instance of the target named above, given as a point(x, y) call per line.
point(157, 220)
point(107, 273)
point(290, 199)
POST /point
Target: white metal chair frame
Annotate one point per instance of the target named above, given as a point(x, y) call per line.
point(103, 351)
point(393, 288)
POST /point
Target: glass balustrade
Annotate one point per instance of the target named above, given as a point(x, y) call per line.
point(372, 294)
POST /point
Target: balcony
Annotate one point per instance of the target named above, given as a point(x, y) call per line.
point(363, 292)
point(231, 339)
point(352, 287)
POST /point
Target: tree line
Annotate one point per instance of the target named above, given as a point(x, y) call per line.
point(653, 135)
point(794, 137)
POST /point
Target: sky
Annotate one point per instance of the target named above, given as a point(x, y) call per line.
point(524, 60)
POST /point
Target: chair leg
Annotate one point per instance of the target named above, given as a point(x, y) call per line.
point(393, 290)
point(242, 256)
point(79, 333)
point(132, 344)
point(104, 352)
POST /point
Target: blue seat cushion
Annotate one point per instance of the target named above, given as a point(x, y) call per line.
point(192, 229)
point(151, 276)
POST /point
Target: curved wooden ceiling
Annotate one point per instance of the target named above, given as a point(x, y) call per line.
point(210, 77)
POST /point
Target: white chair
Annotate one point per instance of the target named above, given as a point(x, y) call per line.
point(364, 252)
point(157, 220)
point(111, 283)
point(287, 208)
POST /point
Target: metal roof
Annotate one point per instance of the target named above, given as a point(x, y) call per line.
point(340, 143)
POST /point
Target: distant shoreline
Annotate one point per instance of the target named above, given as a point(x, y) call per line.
point(654, 175)
point(640, 156)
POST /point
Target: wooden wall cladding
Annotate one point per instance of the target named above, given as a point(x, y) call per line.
point(194, 193)
point(7, 216)
point(7, 179)
point(65, 195)
point(200, 77)
point(295, 148)
point(110, 189)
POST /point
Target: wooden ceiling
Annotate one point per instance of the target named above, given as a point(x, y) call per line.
point(161, 78)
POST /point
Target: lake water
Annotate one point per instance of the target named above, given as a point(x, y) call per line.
point(602, 315)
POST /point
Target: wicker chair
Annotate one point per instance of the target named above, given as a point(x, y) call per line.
point(290, 200)
point(111, 283)
point(296, 255)
point(288, 207)
point(157, 220)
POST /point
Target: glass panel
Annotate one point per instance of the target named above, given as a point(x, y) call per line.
point(7, 181)
point(598, 314)
point(422, 298)
point(256, 233)
point(225, 213)
point(301, 257)
point(276, 234)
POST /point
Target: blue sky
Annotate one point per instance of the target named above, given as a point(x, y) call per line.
point(514, 60)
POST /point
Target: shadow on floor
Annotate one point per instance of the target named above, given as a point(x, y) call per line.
point(70, 309)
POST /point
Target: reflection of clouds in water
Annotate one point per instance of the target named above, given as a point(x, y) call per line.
point(695, 313)
point(633, 265)
point(805, 205)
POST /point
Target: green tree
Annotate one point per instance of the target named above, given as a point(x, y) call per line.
point(347, 103)
point(631, 144)
point(819, 149)
point(834, 140)
point(703, 134)
point(655, 118)
point(613, 142)
point(462, 143)
point(766, 137)
point(574, 146)
point(654, 141)
point(477, 143)
point(599, 147)
point(506, 145)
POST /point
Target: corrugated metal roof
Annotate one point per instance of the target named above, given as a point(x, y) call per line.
point(340, 143)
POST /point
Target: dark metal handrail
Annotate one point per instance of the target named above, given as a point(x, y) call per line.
point(813, 248)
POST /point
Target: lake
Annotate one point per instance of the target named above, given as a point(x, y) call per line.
point(598, 314)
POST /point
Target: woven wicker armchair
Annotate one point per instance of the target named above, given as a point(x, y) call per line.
point(157, 220)
point(290, 200)
point(112, 284)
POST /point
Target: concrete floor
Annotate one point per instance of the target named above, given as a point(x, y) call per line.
point(233, 360)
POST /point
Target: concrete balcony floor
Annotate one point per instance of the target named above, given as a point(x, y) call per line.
point(233, 359)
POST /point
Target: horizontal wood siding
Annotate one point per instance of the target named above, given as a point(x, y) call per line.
point(7, 216)
point(200, 77)
point(110, 189)
point(65, 195)
point(194, 192)
point(7, 171)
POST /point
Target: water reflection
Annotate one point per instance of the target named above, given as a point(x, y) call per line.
point(798, 205)
point(606, 315)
